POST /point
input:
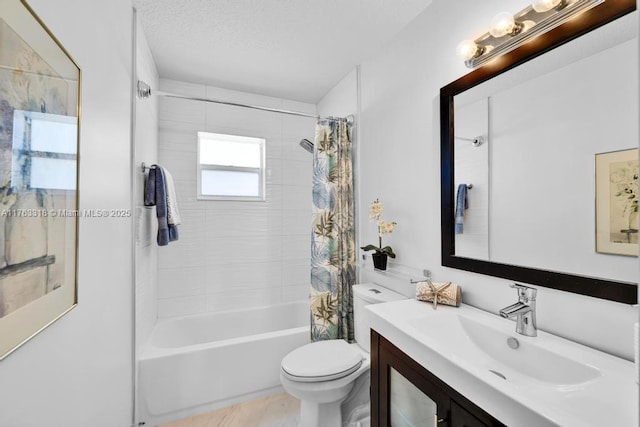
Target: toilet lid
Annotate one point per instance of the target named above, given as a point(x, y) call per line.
point(322, 361)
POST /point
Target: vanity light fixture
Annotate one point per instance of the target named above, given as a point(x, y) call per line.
point(508, 31)
point(505, 24)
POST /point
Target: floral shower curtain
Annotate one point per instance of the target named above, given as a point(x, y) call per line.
point(333, 234)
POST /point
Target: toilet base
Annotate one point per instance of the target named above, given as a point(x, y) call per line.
point(320, 414)
point(338, 403)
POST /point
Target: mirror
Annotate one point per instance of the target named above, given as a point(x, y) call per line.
point(39, 117)
point(535, 140)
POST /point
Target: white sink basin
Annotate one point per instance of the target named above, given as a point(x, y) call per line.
point(545, 381)
point(489, 346)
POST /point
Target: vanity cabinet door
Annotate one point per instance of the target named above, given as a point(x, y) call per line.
point(400, 395)
point(412, 402)
point(460, 417)
point(404, 393)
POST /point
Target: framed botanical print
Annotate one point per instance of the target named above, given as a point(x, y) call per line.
point(39, 122)
point(617, 202)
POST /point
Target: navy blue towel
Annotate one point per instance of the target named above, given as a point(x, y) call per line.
point(150, 188)
point(156, 195)
point(461, 205)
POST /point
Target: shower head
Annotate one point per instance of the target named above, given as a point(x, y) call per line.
point(307, 145)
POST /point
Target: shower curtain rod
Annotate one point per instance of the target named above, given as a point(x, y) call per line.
point(144, 92)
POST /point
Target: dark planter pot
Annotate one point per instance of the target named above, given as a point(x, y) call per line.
point(379, 260)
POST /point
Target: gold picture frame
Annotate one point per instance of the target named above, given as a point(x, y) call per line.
point(39, 140)
point(617, 202)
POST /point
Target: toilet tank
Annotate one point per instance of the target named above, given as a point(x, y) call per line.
point(365, 294)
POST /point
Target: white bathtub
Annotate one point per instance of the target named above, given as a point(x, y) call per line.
point(196, 364)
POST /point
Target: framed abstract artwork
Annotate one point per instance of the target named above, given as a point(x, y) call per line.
point(617, 202)
point(39, 122)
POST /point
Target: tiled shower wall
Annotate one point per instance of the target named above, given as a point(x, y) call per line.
point(232, 254)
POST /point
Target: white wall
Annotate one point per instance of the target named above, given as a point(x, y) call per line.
point(342, 100)
point(145, 150)
point(400, 163)
point(78, 372)
point(231, 254)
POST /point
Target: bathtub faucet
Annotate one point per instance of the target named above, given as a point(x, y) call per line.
point(524, 311)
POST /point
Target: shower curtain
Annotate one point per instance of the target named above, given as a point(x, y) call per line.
point(333, 234)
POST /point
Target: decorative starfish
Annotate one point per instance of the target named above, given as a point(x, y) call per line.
point(437, 292)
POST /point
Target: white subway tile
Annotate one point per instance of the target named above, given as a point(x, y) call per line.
point(244, 223)
point(296, 247)
point(297, 222)
point(273, 173)
point(186, 194)
point(241, 254)
point(274, 148)
point(244, 249)
point(183, 88)
point(241, 130)
point(295, 293)
point(182, 253)
point(273, 201)
point(298, 173)
point(296, 198)
point(243, 275)
point(168, 125)
point(192, 226)
point(182, 110)
point(173, 307)
point(243, 298)
point(177, 140)
point(181, 282)
point(181, 164)
point(255, 121)
point(295, 272)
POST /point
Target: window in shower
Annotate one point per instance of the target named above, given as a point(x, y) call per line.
point(230, 167)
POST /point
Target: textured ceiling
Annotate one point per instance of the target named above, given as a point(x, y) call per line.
point(294, 49)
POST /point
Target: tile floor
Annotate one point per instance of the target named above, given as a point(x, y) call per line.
point(278, 410)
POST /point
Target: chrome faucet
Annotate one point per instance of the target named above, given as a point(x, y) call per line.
point(524, 310)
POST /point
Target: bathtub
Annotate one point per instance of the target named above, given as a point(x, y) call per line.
point(195, 364)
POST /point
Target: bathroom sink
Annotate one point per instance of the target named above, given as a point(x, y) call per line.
point(525, 381)
point(504, 353)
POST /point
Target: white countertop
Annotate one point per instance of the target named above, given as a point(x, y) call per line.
point(579, 386)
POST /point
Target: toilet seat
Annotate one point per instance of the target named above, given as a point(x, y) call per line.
point(322, 361)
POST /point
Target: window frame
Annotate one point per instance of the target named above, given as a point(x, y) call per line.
point(261, 142)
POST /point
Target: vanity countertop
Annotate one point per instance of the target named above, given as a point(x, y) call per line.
point(545, 381)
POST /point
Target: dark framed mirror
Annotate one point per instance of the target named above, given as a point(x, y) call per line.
point(508, 137)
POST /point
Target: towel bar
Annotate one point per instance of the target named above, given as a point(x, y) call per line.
point(145, 167)
point(425, 273)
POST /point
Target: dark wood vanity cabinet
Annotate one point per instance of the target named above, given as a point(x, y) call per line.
point(405, 393)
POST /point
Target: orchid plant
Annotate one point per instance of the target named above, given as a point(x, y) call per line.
point(384, 227)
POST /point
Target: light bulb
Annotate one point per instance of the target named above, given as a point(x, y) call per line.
point(544, 5)
point(502, 24)
point(467, 49)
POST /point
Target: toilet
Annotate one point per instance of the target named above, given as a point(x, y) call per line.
point(331, 378)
